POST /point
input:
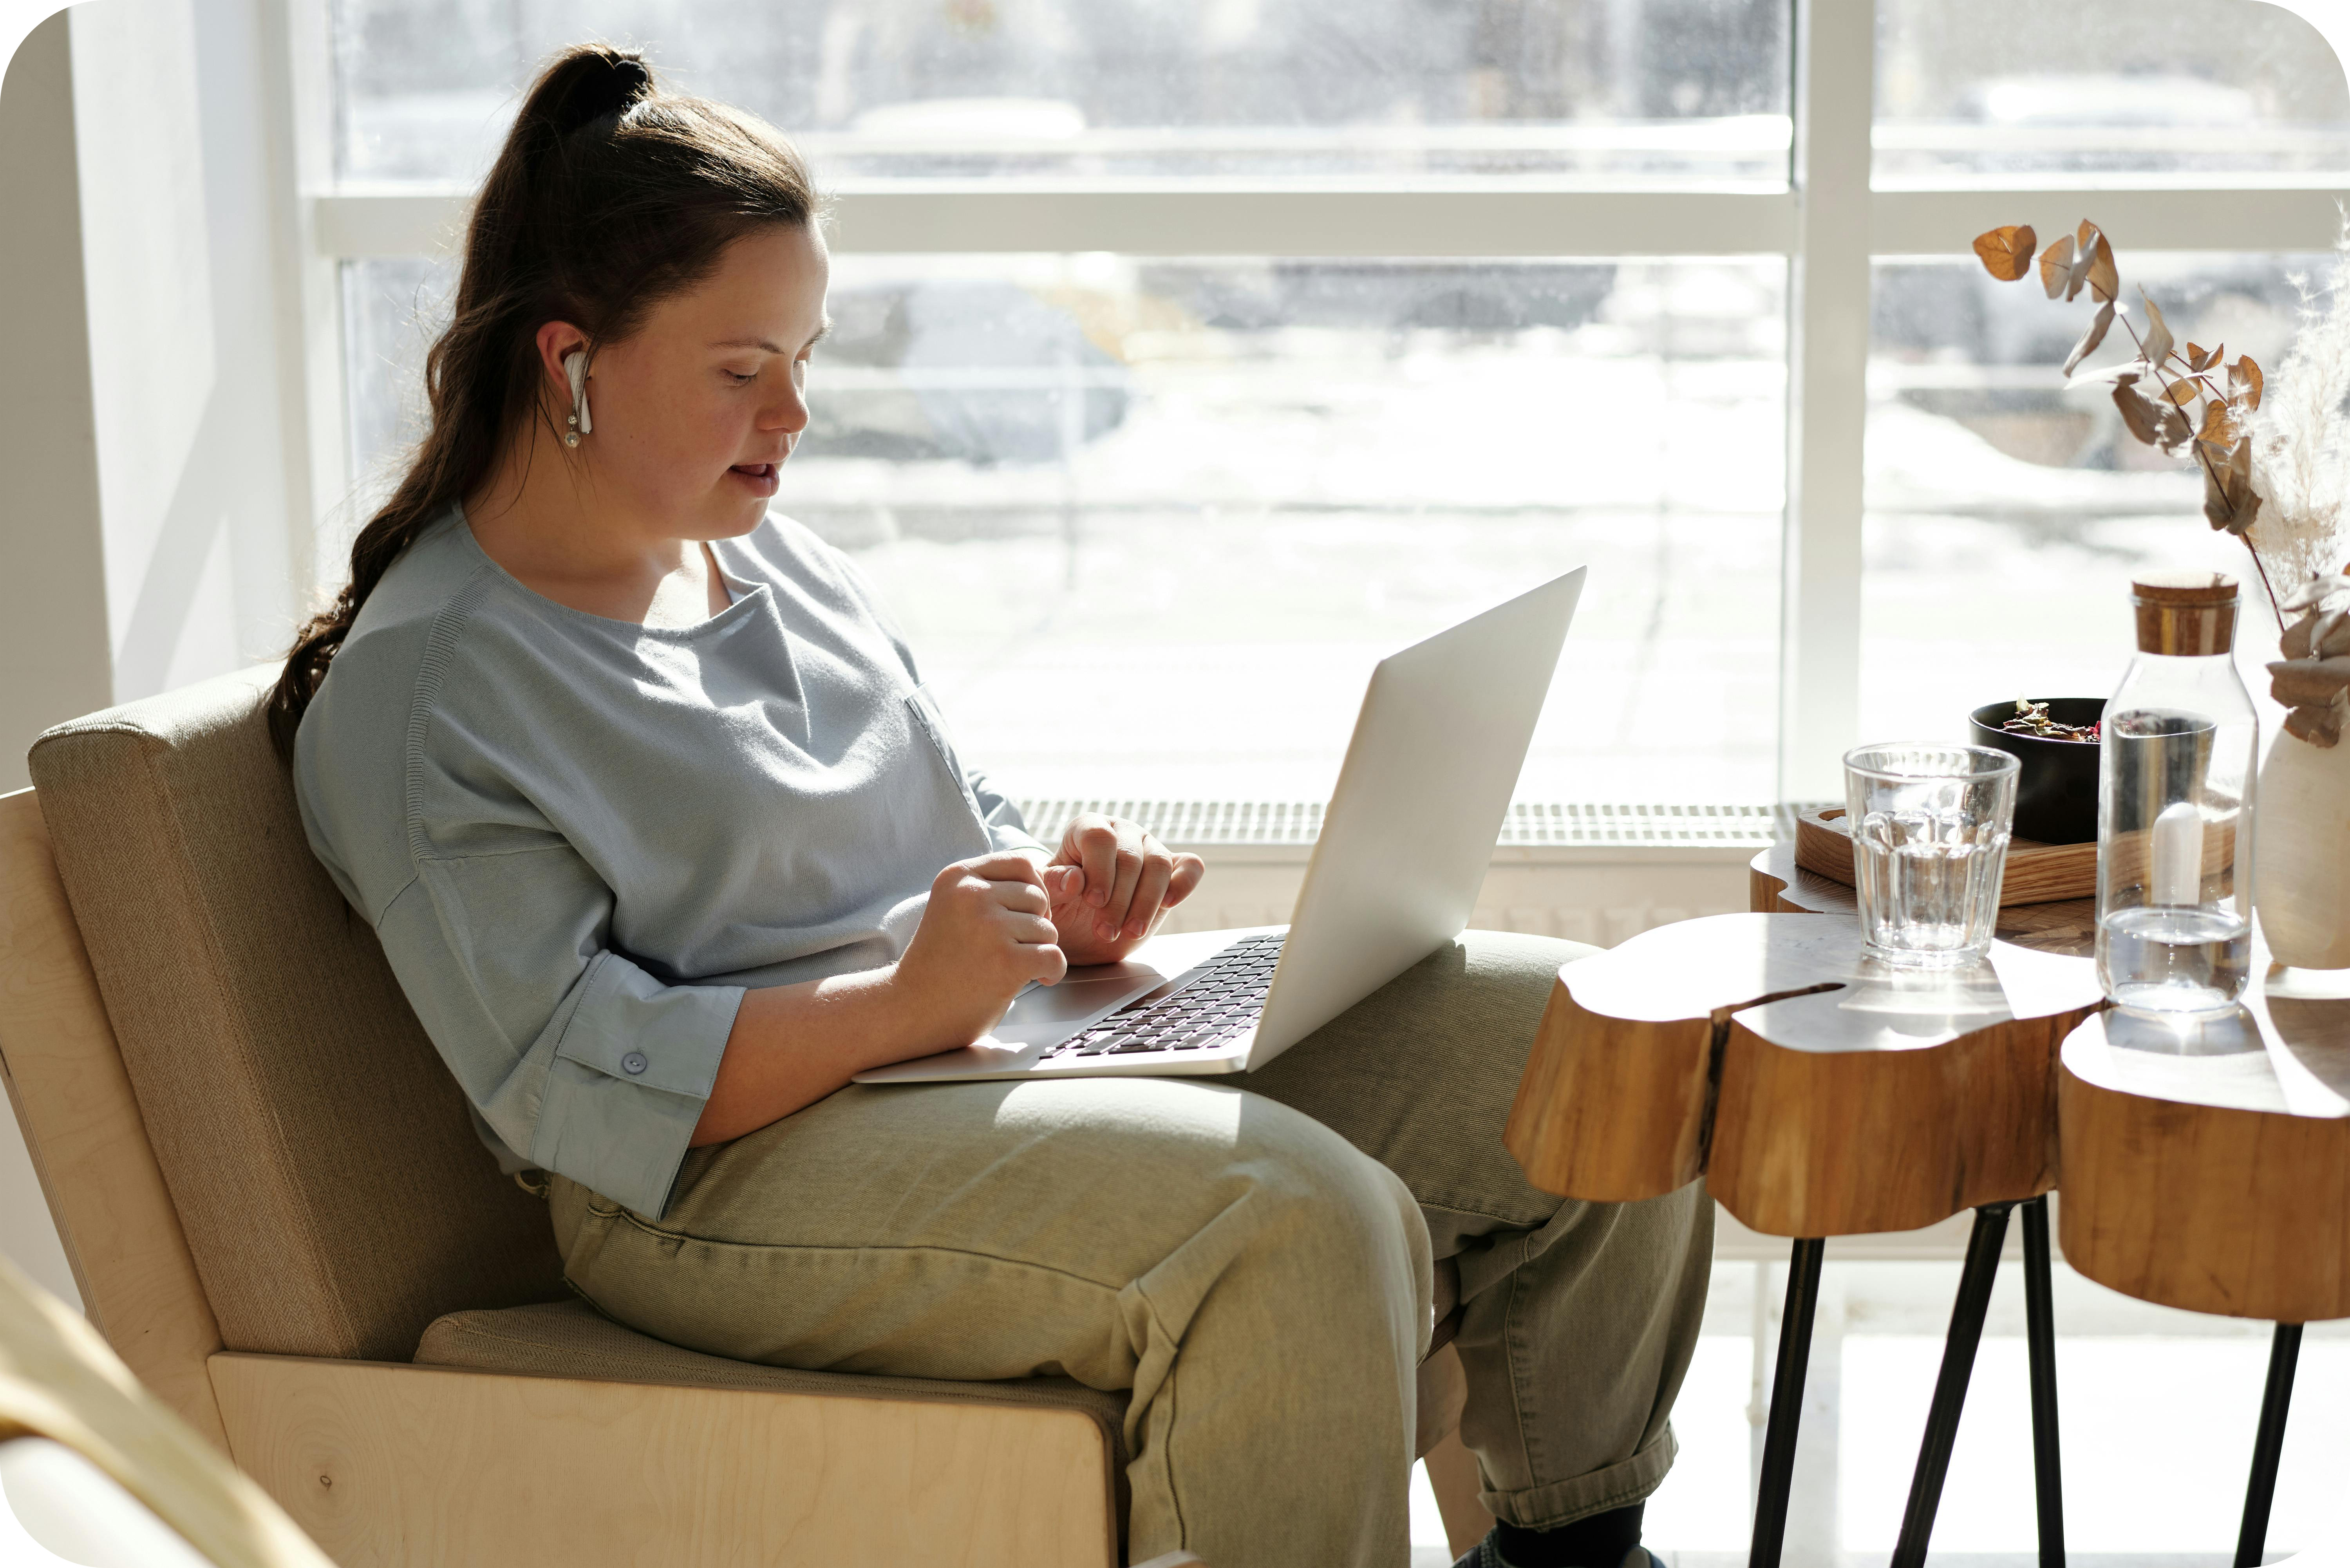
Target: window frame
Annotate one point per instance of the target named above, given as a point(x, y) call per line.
point(1830, 223)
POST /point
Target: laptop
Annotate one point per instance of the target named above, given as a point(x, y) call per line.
point(1405, 843)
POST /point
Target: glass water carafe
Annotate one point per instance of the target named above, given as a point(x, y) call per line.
point(2180, 750)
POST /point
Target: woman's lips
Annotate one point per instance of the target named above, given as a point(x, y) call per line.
point(760, 476)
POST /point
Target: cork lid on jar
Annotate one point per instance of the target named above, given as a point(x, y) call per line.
point(2185, 613)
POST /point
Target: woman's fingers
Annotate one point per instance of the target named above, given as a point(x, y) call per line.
point(1051, 964)
point(1032, 929)
point(1071, 908)
point(1004, 866)
point(1149, 890)
point(1091, 843)
point(1115, 878)
point(1022, 898)
point(1129, 876)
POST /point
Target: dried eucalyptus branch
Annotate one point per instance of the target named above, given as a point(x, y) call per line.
point(2221, 396)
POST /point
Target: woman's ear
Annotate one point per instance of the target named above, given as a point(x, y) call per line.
point(558, 341)
point(563, 360)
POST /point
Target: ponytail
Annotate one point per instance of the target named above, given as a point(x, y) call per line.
point(608, 196)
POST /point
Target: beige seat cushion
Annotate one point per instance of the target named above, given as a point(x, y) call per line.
point(571, 1339)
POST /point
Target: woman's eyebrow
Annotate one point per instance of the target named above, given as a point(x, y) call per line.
point(822, 333)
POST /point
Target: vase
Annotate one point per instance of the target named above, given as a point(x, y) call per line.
point(2300, 883)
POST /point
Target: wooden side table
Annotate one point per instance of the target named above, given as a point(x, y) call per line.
point(2208, 1167)
point(2069, 927)
point(1822, 1094)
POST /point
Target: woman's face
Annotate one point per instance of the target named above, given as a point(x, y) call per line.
point(695, 412)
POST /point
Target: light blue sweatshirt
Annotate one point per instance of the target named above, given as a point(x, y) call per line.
point(580, 839)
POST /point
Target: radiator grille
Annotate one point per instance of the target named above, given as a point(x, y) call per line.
point(1529, 824)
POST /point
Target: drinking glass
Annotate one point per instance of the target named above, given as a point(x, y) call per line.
point(1930, 830)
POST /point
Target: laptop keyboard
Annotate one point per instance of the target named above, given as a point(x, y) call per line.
point(1222, 1002)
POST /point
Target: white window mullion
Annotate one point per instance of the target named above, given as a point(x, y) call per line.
point(356, 222)
point(997, 216)
point(2140, 217)
point(1304, 221)
point(1827, 364)
point(298, 74)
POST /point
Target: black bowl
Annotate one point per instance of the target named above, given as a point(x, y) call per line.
point(2056, 789)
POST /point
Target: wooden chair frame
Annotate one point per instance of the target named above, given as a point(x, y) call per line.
point(60, 1382)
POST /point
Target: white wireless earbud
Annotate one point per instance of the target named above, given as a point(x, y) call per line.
point(574, 365)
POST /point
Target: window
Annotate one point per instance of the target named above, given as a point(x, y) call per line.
point(1642, 90)
point(1190, 357)
point(1194, 501)
point(2092, 91)
point(2006, 507)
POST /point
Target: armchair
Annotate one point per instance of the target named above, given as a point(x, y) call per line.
point(279, 1217)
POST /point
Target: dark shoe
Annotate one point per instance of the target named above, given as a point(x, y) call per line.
point(1485, 1554)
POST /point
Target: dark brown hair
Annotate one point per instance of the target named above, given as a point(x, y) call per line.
point(608, 196)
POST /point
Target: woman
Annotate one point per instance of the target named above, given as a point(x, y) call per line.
point(665, 841)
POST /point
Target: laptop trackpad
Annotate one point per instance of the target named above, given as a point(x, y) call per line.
point(1048, 1011)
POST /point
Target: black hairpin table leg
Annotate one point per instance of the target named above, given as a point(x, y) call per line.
point(2268, 1445)
point(2040, 1337)
point(1950, 1388)
point(1786, 1401)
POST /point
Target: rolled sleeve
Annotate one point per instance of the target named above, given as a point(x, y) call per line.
point(578, 1058)
point(632, 1070)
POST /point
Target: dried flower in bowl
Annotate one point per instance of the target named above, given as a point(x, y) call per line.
point(2032, 719)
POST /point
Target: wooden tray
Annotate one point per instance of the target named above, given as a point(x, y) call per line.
point(2037, 873)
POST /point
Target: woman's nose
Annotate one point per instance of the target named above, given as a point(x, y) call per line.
point(788, 412)
point(788, 415)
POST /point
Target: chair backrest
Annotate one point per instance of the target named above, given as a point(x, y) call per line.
point(325, 1172)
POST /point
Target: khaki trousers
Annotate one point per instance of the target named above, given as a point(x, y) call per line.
point(1250, 1256)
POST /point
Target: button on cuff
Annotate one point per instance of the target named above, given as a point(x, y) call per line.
point(646, 1034)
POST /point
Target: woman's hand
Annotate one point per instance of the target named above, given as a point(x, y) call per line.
point(984, 935)
point(1110, 884)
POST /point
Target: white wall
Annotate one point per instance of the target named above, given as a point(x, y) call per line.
point(54, 660)
point(154, 481)
point(152, 423)
point(54, 657)
point(177, 215)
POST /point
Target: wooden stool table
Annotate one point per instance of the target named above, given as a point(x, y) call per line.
point(2068, 927)
point(1820, 1094)
point(2206, 1166)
